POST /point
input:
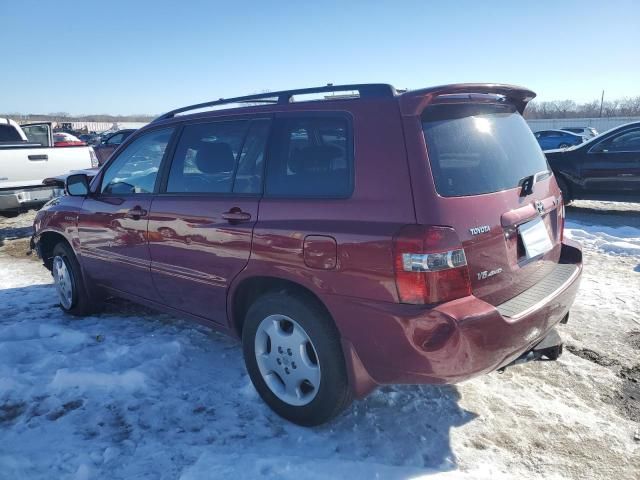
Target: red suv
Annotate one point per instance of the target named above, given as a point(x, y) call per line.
point(367, 237)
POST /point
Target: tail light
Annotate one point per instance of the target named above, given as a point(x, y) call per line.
point(94, 158)
point(430, 265)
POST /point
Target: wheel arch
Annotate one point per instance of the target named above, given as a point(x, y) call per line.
point(47, 241)
point(250, 288)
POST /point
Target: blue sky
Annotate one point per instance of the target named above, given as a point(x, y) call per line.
point(151, 56)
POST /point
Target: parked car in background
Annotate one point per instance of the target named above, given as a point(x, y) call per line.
point(606, 167)
point(61, 139)
point(549, 139)
point(27, 157)
point(586, 132)
point(110, 143)
point(324, 236)
point(90, 138)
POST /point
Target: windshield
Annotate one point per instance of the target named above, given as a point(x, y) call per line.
point(479, 148)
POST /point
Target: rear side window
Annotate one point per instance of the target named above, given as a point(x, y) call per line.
point(9, 134)
point(311, 157)
point(479, 148)
point(220, 157)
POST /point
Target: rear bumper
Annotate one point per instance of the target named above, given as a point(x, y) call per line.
point(395, 343)
point(19, 199)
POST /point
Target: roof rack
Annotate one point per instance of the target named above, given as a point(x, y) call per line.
point(370, 90)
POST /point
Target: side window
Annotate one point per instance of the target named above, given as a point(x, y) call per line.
point(115, 139)
point(135, 169)
point(311, 157)
point(37, 134)
point(220, 157)
point(625, 142)
point(248, 177)
point(9, 134)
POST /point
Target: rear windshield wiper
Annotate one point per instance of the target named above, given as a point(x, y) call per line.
point(526, 183)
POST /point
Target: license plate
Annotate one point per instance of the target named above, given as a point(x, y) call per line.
point(535, 238)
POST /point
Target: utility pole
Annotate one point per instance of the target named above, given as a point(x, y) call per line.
point(601, 102)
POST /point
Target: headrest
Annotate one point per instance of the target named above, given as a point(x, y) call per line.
point(215, 157)
point(314, 159)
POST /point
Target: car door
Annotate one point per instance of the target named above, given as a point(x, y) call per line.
point(201, 222)
point(613, 165)
point(38, 133)
point(113, 224)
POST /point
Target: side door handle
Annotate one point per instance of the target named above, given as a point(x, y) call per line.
point(236, 215)
point(36, 158)
point(136, 213)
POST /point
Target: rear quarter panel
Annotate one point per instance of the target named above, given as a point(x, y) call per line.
point(362, 225)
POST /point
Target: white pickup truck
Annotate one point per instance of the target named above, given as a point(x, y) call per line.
point(27, 157)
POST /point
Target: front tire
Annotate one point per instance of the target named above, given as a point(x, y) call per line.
point(69, 282)
point(294, 358)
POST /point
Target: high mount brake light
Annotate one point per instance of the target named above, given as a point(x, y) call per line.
point(430, 265)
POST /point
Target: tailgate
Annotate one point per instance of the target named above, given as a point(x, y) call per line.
point(495, 242)
point(488, 179)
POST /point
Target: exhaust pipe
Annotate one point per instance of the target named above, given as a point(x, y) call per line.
point(549, 348)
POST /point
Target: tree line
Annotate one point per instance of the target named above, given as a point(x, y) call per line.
point(623, 107)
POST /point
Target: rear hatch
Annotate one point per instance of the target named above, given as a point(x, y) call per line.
point(494, 187)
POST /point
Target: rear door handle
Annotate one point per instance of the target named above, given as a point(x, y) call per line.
point(136, 213)
point(236, 215)
point(35, 158)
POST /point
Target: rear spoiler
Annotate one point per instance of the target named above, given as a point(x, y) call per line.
point(414, 102)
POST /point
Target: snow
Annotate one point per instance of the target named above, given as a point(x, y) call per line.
point(621, 240)
point(131, 393)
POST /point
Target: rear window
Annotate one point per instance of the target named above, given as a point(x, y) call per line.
point(479, 148)
point(9, 134)
point(311, 157)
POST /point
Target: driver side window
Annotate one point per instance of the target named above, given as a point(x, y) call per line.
point(219, 157)
point(115, 140)
point(625, 142)
point(134, 171)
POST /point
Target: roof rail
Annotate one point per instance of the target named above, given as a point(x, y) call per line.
point(365, 90)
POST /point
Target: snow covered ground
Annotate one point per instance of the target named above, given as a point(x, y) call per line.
point(131, 393)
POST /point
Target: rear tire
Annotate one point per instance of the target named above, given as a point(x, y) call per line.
point(69, 281)
point(294, 358)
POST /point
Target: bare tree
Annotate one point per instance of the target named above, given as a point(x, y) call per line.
point(624, 107)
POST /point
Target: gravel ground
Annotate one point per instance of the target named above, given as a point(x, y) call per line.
point(131, 393)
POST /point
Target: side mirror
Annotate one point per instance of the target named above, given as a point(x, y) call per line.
point(77, 185)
